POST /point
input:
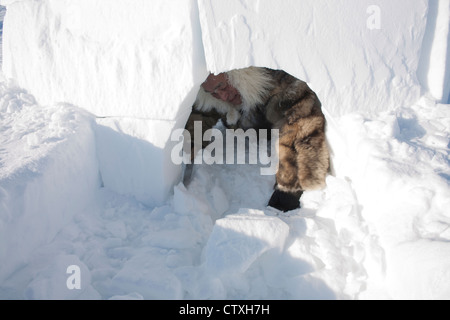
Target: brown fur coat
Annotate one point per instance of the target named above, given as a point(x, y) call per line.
point(273, 99)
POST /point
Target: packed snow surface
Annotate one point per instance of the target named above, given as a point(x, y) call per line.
point(138, 65)
point(380, 229)
point(85, 165)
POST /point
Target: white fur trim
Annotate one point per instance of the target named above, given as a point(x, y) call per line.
point(252, 83)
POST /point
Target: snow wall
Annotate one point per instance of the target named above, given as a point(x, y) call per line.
point(137, 67)
point(48, 172)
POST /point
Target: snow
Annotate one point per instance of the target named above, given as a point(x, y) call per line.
point(96, 189)
point(354, 54)
point(48, 173)
point(398, 166)
point(436, 52)
point(96, 55)
point(238, 240)
point(114, 60)
point(2, 16)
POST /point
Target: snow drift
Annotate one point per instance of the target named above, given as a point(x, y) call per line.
point(55, 178)
point(100, 85)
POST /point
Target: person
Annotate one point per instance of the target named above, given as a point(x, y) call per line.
point(263, 98)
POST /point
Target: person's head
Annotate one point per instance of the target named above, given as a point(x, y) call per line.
point(220, 88)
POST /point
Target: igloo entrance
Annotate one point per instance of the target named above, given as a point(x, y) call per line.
point(259, 99)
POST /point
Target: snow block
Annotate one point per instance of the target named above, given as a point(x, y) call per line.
point(141, 276)
point(356, 55)
point(135, 158)
point(238, 240)
point(434, 66)
point(139, 65)
point(49, 172)
point(109, 57)
point(2, 16)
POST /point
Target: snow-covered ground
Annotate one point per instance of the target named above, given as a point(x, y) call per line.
point(379, 230)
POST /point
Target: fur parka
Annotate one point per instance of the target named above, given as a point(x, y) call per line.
point(273, 99)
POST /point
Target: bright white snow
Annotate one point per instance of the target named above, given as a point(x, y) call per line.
point(74, 191)
point(356, 54)
point(138, 65)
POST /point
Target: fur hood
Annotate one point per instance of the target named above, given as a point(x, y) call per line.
point(254, 85)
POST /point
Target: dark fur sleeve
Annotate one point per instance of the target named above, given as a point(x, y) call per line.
point(207, 119)
point(303, 153)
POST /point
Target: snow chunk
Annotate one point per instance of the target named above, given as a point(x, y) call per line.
point(142, 276)
point(434, 63)
point(140, 64)
point(134, 158)
point(48, 172)
point(238, 240)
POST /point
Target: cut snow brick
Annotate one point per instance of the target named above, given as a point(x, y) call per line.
point(138, 67)
point(48, 173)
point(361, 57)
point(109, 57)
point(134, 157)
point(238, 240)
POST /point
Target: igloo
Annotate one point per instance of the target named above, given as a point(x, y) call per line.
point(104, 83)
point(137, 67)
